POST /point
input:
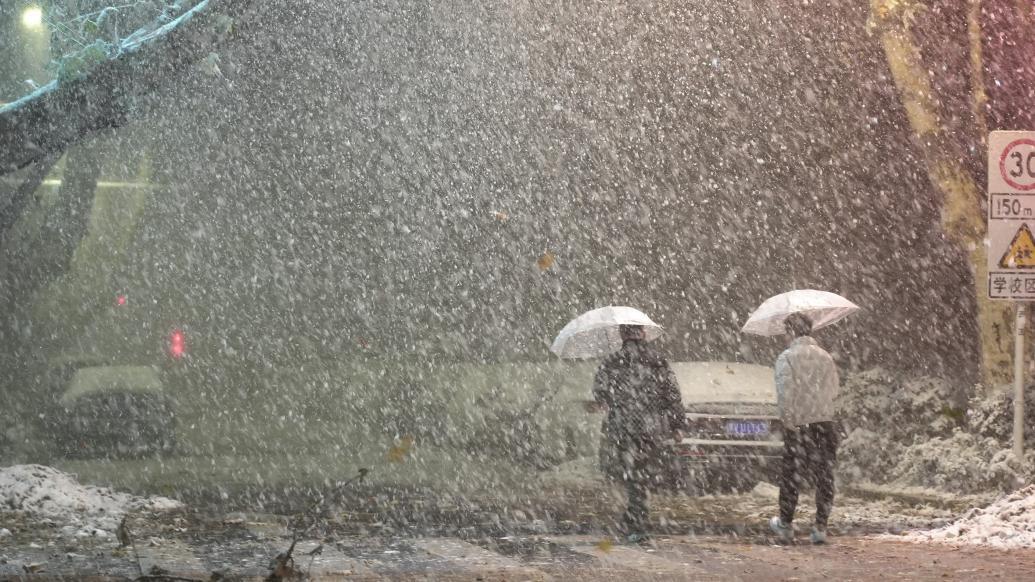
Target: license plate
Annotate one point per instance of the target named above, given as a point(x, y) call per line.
point(747, 427)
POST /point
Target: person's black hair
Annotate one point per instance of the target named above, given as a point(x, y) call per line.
point(625, 330)
point(798, 325)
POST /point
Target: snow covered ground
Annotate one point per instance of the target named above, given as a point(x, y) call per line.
point(1008, 523)
point(53, 497)
point(881, 510)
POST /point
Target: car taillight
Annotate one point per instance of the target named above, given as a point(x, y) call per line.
point(177, 344)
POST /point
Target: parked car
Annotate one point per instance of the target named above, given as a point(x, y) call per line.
point(116, 401)
point(114, 410)
point(734, 438)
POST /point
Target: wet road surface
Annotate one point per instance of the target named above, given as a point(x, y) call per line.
point(721, 538)
point(245, 551)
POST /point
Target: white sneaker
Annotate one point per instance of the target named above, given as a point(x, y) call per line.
point(818, 536)
point(784, 532)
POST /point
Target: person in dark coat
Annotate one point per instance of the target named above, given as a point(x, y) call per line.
point(637, 388)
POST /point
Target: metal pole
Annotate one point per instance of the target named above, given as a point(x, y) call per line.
point(1018, 384)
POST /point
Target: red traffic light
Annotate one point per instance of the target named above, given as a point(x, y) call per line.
point(177, 344)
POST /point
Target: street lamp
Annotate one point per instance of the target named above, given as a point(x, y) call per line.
point(32, 17)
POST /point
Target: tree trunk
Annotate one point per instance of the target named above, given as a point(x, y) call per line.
point(69, 220)
point(963, 219)
point(995, 324)
point(21, 195)
point(45, 258)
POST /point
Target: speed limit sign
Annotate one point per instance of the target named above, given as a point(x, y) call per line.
point(1011, 162)
point(1011, 215)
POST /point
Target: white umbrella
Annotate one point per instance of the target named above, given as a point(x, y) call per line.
point(595, 333)
point(822, 307)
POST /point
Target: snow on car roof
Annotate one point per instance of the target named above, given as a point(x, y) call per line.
point(725, 382)
point(141, 379)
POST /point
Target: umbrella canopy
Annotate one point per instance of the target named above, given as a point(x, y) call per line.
point(595, 333)
point(822, 307)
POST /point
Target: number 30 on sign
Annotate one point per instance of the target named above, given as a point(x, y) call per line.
point(1011, 161)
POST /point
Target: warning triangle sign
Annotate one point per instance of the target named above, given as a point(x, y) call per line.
point(1021, 252)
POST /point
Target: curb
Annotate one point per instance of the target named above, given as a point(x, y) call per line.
point(948, 501)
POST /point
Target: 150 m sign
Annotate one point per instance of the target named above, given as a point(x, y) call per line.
point(1010, 206)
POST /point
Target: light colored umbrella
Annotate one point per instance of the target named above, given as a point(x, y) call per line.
point(595, 333)
point(822, 307)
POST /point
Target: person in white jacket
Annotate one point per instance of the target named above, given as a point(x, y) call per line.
point(806, 387)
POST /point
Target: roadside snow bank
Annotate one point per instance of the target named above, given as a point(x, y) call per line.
point(922, 432)
point(1008, 523)
point(49, 494)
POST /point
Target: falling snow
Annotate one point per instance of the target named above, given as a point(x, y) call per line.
point(269, 256)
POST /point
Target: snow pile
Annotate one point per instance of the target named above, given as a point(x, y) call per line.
point(921, 432)
point(992, 415)
point(883, 415)
point(963, 463)
point(50, 495)
point(1008, 523)
point(901, 409)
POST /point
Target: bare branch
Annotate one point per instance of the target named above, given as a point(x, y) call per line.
point(60, 114)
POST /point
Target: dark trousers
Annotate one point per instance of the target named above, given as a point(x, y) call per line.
point(637, 513)
point(809, 453)
point(642, 468)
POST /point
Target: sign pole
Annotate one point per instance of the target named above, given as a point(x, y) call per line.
point(1018, 383)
